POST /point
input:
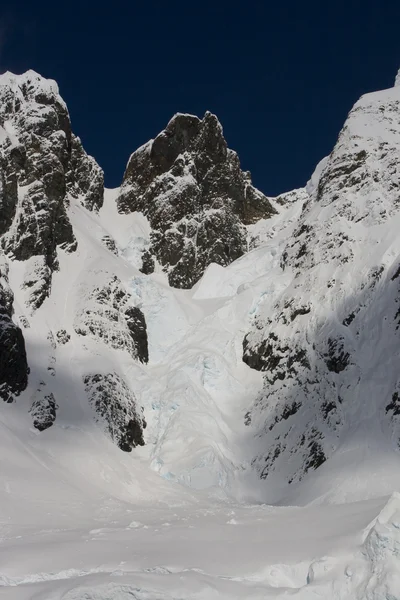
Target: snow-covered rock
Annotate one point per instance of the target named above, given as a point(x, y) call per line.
point(115, 408)
point(43, 410)
point(45, 178)
point(41, 164)
point(107, 315)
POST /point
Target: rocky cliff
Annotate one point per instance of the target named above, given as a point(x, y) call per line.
point(190, 186)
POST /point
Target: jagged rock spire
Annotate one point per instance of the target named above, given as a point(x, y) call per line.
point(190, 186)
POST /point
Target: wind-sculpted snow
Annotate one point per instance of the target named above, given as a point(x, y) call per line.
point(197, 199)
point(328, 344)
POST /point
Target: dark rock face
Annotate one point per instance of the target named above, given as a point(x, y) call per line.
point(40, 162)
point(197, 199)
point(137, 326)
point(116, 409)
point(299, 402)
point(84, 179)
point(394, 405)
point(13, 364)
point(337, 359)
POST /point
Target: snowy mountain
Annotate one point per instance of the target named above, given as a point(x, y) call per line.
point(183, 350)
point(64, 294)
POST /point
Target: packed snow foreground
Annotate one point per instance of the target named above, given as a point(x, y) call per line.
point(200, 383)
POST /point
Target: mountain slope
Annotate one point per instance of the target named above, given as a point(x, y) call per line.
point(329, 343)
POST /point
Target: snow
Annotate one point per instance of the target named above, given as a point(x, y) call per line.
point(102, 524)
point(31, 78)
point(312, 184)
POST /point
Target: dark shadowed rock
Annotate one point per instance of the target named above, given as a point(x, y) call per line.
point(137, 326)
point(13, 364)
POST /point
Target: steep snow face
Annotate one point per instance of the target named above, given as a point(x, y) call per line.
point(196, 197)
point(329, 342)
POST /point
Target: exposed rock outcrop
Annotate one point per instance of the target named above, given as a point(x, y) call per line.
point(43, 411)
point(320, 340)
point(107, 315)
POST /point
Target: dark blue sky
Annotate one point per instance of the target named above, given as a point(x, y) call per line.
point(281, 76)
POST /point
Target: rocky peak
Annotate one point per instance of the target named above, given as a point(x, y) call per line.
point(42, 165)
point(190, 186)
point(188, 133)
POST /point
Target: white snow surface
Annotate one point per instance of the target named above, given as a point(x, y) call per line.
point(185, 517)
